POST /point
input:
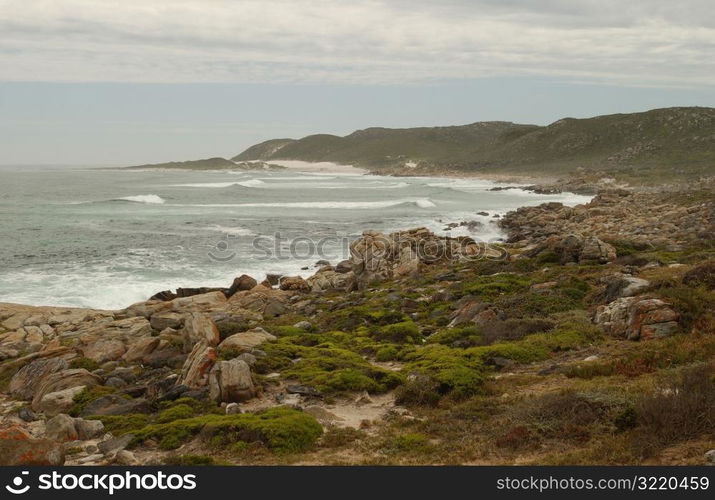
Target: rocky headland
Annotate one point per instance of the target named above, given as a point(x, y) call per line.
point(586, 337)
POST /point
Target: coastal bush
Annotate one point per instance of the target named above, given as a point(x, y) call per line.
point(488, 288)
point(682, 408)
point(123, 424)
point(406, 443)
point(420, 390)
point(512, 329)
point(350, 318)
point(176, 412)
point(564, 414)
point(87, 396)
point(402, 332)
point(231, 326)
point(573, 330)
point(387, 353)
point(328, 368)
point(469, 335)
point(283, 430)
point(702, 275)
point(695, 306)
point(454, 371)
point(189, 460)
point(541, 304)
point(656, 354)
point(86, 363)
point(335, 437)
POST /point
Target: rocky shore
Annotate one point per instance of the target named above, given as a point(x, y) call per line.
point(420, 348)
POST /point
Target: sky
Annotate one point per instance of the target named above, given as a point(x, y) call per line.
point(103, 82)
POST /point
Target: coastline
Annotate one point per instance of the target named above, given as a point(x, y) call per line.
point(382, 341)
point(322, 168)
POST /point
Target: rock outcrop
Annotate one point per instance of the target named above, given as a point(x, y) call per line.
point(637, 318)
point(376, 256)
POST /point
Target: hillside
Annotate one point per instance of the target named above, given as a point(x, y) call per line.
point(206, 164)
point(656, 145)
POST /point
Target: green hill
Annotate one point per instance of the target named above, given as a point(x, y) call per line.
point(206, 164)
point(655, 145)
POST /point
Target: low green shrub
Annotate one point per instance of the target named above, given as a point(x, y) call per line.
point(284, 430)
point(88, 395)
point(86, 363)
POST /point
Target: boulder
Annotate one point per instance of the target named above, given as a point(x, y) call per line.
point(115, 444)
point(273, 279)
point(112, 404)
point(104, 350)
point(205, 302)
point(200, 328)
point(61, 428)
point(24, 383)
point(266, 302)
point(637, 318)
point(166, 319)
point(575, 248)
point(64, 379)
point(304, 325)
point(246, 341)
point(344, 266)
point(329, 279)
point(230, 381)
point(125, 457)
point(595, 250)
point(243, 282)
point(57, 402)
point(88, 429)
point(474, 311)
point(376, 256)
point(141, 349)
point(233, 409)
point(621, 285)
point(17, 447)
point(195, 372)
point(294, 283)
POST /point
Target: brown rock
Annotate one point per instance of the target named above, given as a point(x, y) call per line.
point(230, 382)
point(141, 349)
point(294, 283)
point(18, 448)
point(24, 383)
point(243, 282)
point(199, 327)
point(104, 350)
point(245, 341)
point(637, 318)
point(166, 319)
point(195, 371)
point(64, 379)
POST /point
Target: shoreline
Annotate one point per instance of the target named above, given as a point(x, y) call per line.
point(305, 273)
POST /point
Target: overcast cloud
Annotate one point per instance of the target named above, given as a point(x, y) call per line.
point(635, 43)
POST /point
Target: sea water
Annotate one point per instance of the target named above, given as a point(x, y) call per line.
point(105, 238)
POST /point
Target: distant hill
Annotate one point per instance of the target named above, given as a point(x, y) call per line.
point(655, 145)
point(206, 164)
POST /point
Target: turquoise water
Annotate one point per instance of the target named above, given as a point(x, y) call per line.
point(107, 238)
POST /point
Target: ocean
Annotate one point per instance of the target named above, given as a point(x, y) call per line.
point(106, 238)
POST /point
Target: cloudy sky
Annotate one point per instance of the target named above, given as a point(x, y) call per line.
point(95, 81)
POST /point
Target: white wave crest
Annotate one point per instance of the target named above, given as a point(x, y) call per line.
point(419, 202)
point(144, 198)
point(248, 183)
point(233, 231)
